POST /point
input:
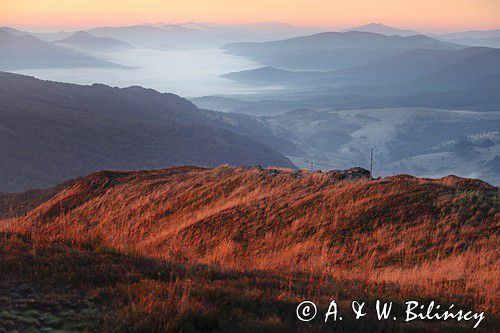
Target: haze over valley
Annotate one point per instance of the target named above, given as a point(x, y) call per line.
point(208, 166)
point(427, 104)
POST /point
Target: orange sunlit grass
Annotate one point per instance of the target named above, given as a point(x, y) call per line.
point(271, 235)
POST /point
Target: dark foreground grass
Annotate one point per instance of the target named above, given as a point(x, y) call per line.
point(88, 287)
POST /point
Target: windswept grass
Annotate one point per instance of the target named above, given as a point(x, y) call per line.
point(238, 248)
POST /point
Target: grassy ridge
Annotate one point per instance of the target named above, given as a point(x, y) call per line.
point(192, 246)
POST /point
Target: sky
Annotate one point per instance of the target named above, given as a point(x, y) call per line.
point(424, 15)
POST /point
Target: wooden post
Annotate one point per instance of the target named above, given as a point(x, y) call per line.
point(371, 163)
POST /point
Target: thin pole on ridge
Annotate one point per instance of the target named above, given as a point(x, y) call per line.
point(371, 163)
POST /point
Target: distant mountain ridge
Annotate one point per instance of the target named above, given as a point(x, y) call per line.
point(411, 70)
point(198, 34)
point(349, 39)
point(28, 52)
point(88, 42)
point(44, 36)
point(333, 50)
point(485, 38)
point(473, 34)
point(489, 38)
point(13, 31)
point(191, 34)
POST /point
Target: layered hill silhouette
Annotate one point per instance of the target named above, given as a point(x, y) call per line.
point(52, 131)
point(194, 34)
point(420, 69)
point(485, 38)
point(490, 38)
point(13, 31)
point(88, 42)
point(44, 36)
point(419, 63)
point(232, 240)
point(333, 50)
point(466, 78)
point(21, 51)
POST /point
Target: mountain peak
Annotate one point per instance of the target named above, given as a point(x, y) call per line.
point(379, 28)
point(376, 24)
point(82, 34)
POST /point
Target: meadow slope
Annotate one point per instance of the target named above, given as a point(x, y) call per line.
point(255, 240)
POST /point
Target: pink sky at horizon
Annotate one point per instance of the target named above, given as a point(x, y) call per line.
point(423, 15)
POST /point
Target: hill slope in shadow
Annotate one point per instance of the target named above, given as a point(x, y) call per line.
point(51, 132)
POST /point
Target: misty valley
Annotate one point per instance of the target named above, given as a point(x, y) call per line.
point(426, 105)
point(217, 175)
point(188, 73)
